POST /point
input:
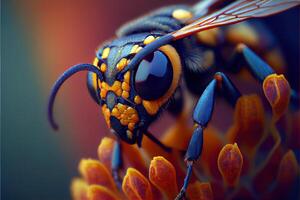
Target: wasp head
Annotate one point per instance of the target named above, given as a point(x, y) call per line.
point(131, 97)
point(130, 91)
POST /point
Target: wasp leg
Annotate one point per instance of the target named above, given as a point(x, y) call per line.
point(201, 116)
point(156, 141)
point(244, 56)
point(116, 164)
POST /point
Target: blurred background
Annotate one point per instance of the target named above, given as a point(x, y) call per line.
point(41, 39)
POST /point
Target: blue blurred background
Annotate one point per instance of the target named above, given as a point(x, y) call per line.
point(40, 39)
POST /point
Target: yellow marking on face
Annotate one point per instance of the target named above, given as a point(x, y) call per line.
point(182, 14)
point(105, 53)
point(137, 100)
point(127, 115)
point(125, 94)
point(121, 64)
point(116, 88)
point(103, 67)
point(153, 106)
point(94, 78)
point(127, 77)
point(125, 86)
point(209, 37)
point(149, 39)
point(138, 49)
point(115, 112)
point(106, 114)
point(95, 62)
point(134, 48)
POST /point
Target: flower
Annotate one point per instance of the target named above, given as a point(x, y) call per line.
point(254, 159)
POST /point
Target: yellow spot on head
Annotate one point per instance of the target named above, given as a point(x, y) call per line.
point(95, 62)
point(103, 67)
point(122, 64)
point(125, 94)
point(105, 53)
point(138, 49)
point(151, 107)
point(127, 77)
point(134, 48)
point(116, 88)
point(106, 114)
point(115, 112)
point(125, 86)
point(149, 39)
point(127, 115)
point(182, 14)
point(137, 100)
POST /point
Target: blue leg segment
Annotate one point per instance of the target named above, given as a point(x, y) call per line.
point(227, 88)
point(205, 105)
point(202, 115)
point(116, 163)
point(255, 64)
point(244, 56)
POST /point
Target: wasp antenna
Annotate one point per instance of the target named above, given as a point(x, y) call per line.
point(67, 74)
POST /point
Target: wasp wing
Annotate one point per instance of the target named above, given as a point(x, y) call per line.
point(206, 7)
point(234, 13)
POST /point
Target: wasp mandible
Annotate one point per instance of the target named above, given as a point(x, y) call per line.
point(153, 59)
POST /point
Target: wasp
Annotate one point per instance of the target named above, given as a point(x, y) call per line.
point(156, 58)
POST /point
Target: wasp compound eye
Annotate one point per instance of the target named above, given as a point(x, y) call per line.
point(154, 76)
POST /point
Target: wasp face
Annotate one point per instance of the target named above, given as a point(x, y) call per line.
point(131, 98)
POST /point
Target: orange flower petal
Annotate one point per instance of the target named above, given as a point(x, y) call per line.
point(136, 186)
point(212, 145)
point(178, 136)
point(277, 90)
point(249, 120)
point(98, 192)
point(218, 189)
point(162, 175)
point(153, 149)
point(287, 178)
point(230, 162)
point(105, 151)
point(288, 169)
point(95, 172)
point(79, 189)
point(267, 160)
point(200, 191)
point(132, 157)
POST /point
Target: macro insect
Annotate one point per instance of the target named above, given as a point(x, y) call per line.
point(156, 58)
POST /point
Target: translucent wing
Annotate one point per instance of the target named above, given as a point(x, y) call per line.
point(234, 13)
point(204, 7)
